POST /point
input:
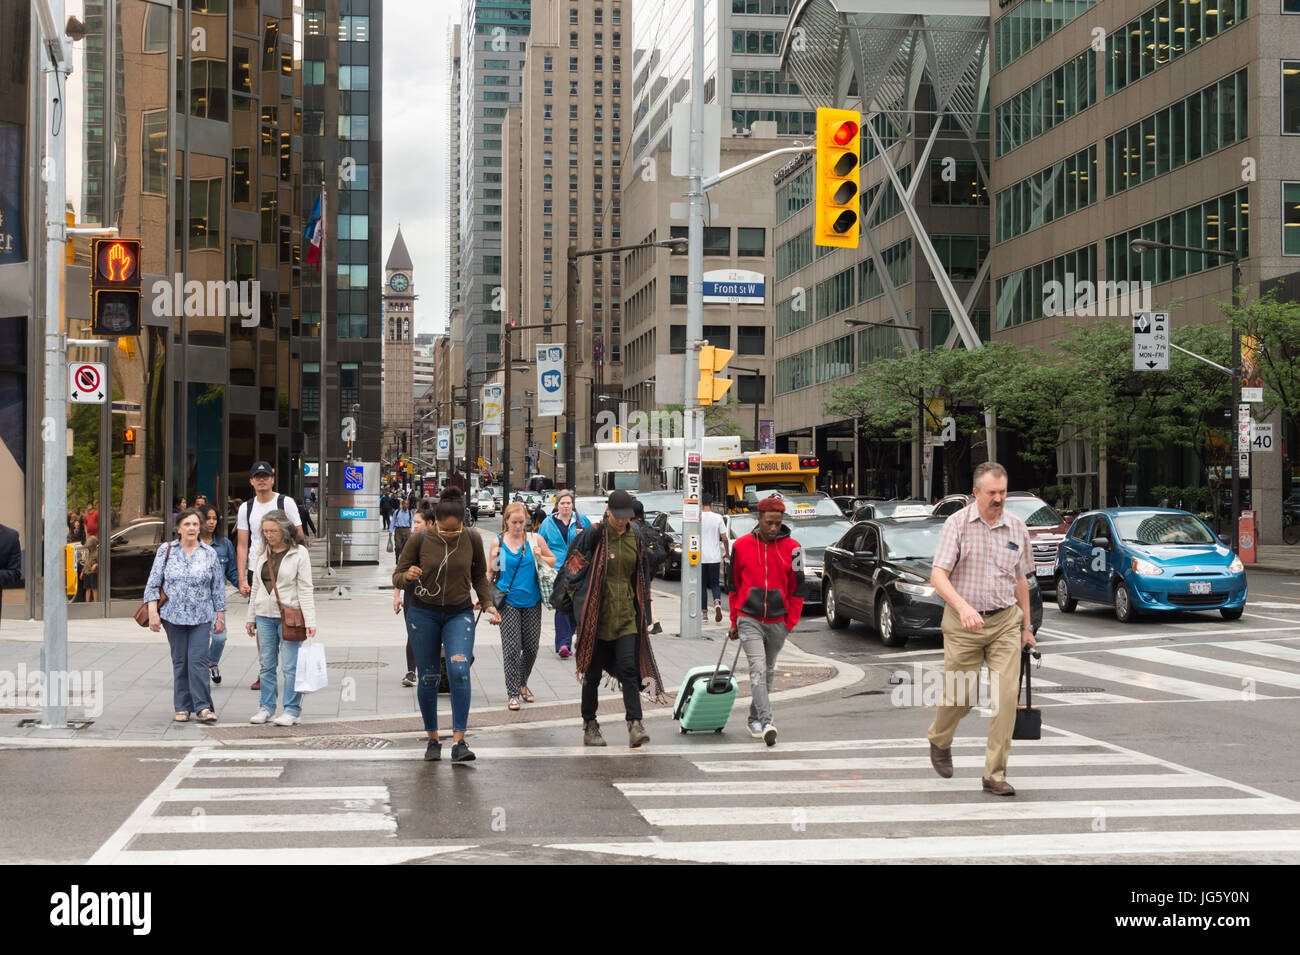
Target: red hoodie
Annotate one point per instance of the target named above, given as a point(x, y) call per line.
point(765, 578)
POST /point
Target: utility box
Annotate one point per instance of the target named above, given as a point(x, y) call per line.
point(1246, 538)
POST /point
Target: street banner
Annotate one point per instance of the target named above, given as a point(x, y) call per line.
point(458, 437)
point(767, 434)
point(492, 409)
point(550, 381)
point(444, 444)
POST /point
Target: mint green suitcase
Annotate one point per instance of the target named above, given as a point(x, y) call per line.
point(707, 695)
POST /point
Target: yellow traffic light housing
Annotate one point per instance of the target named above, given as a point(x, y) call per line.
point(839, 151)
point(713, 360)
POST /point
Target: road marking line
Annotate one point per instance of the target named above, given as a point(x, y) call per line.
point(965, 812)
point(200, 825)
point(269, 794)
point(828, 787)
point(113, 846)
point(909, 762)
point(1264, 616)
point(356, 855)
point(1121, 637)
point(1150, 681)
point(1263, 648)
point(950, 848)
point(1229, 669)
point(236, 772)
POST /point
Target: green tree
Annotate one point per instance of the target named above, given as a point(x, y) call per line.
point(1275, 327)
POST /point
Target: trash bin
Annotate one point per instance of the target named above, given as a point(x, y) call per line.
point(1246, 538)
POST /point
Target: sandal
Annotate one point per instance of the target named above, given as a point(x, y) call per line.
point(527, 695)
point(182, 716)
point(207, 716)
point(513, 704)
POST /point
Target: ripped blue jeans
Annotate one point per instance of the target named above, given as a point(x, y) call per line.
point(432, 630)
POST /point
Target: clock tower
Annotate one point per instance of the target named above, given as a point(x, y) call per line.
point(399, 353)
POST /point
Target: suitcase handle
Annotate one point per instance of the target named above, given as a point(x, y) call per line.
point(713, 680)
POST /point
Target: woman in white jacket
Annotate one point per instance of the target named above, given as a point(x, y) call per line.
point(282, 555)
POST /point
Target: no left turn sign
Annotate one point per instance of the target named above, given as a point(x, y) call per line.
point(86, 382)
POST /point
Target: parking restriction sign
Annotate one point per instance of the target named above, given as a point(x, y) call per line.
point(86, 382)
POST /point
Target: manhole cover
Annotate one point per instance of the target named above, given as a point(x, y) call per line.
point(357, 665)
point(346, 742)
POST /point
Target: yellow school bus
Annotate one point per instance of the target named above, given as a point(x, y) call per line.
point(741, 480)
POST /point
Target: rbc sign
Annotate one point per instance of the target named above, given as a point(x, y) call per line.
point(551, 380)
point(353, 478)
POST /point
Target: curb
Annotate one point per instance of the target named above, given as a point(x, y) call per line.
point(1274, 569)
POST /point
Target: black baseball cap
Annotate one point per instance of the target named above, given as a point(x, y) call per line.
point(261, 468)
point(621, 505)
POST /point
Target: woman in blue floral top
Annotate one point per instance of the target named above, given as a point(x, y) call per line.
point(191, 574)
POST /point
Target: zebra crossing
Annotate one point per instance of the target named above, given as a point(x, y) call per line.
point(217, 809)
point(863, 801)
point(1213, 671)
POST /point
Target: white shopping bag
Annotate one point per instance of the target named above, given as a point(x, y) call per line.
point(311, 674)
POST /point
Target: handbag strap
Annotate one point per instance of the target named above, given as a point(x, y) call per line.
point(275, 584)
point(501, 548)
point(1025, 679)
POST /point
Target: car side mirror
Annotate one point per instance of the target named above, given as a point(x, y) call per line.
point(1102, 542)
point(865, 555)
point(1225, 540)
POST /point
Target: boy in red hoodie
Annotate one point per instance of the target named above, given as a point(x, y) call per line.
point(766, 573)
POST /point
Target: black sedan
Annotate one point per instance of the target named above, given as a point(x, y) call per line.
point(133, 549)
point(880, 571)
point(670, 526)
point(813, 534)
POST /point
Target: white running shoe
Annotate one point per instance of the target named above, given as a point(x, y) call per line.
point(261, 716)
point(288, 719)
point(769, 734)
point(755, 729)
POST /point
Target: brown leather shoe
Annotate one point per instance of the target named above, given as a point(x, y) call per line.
point(999, 787)
point(941, 760)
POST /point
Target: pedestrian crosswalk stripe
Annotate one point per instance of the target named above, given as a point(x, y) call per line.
point(1262, 648)
point(277, 856)
point(236, 772)
point(267, 794)
point(857, 763)
point(964, 812)
point(1144, 679)
point(272, 822)
point(1228, 669)
point(799, 787)
point(956, 848)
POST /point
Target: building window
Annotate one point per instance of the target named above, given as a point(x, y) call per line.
point(349, 382)
point(599, 40)
point(573, 41)
point(546, 182)
point(794, 372)
point(898, 263)
point(677, 293)
point(573, 87)
point(1061, 94)
point(751, 339)
point(1162, 34)
point(751, 242)
point(354, 29)
point(548, 63)
point(961, 255)
point(546, 87)
point(354, 77)
point(1029, 24)
point(1020, 295)
point(1291, 213)
point(573, 64)
point(1291, 96)
point(965, 189)
point(717, 240)
point(1048, 195)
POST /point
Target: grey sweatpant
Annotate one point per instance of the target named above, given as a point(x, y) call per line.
point(761, 643)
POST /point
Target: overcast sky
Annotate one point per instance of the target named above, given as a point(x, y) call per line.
point(416, 139)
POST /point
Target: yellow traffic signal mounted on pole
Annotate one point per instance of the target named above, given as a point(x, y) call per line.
point(713, 360)
point(839, 151)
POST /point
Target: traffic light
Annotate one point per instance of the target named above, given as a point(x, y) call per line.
point(839, 140)
point(713, 360)
point(115, 287)
point(555, 440)
point(128, 441)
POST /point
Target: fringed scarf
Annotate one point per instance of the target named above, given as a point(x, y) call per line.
point(652, 684)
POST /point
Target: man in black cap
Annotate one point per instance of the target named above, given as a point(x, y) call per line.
point(607, 575)
point(249, 524)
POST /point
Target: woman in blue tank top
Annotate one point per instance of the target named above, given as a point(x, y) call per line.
point(513, 557)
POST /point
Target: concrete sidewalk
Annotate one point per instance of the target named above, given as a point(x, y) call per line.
point(1277, 559)
point(365, 649)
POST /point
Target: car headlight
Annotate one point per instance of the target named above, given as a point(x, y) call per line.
point(1236, 566)
point(916, 590)
point(1146, 568)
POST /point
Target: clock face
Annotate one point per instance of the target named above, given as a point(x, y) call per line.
point(399, 283)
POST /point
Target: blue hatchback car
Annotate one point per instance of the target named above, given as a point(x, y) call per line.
point(1141, 559)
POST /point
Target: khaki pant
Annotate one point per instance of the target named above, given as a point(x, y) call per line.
point(964, 652)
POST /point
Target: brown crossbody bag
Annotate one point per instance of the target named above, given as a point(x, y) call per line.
point(141, 614)
point(293, 625)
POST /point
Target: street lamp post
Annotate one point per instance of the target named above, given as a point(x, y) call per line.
point(1140, 246)
point(528, 434)
point(571, 324)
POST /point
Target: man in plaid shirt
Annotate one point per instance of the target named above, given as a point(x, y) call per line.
point(980, 566)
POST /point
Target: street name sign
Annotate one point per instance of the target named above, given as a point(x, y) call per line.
point(1151, 341)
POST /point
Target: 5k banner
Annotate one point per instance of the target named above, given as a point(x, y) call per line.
point(550, 380)
point(492, 409)
point(458, 437)
point(444, 444)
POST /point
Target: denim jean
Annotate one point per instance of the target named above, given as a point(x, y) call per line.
point(432, 630)
point(277, 649)
point(217, 647)
point(563, 631)
point(710, 579)
point(761, 643)
point(191, 692)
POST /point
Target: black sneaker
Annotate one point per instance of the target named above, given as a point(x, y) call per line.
point(460, 753)
point(409, 679)
point(656, 628)
point(433, 752)
point(214, 672)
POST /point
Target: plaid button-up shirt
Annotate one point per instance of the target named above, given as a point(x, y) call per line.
point(985, 561)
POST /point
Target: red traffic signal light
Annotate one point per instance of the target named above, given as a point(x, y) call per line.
point(845, 132)
point(839, 140)
point(117, 263)
point(128, 441)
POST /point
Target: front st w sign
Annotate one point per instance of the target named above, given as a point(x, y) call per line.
point(1151, 341)
point(86, 382)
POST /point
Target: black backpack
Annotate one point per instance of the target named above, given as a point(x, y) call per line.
point(248, 509)
point(655, 546)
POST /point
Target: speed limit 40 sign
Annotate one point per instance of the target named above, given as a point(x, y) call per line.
point(1262, 438)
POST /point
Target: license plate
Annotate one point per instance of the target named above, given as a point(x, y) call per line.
point(1045, 570)
point(1198, 587)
